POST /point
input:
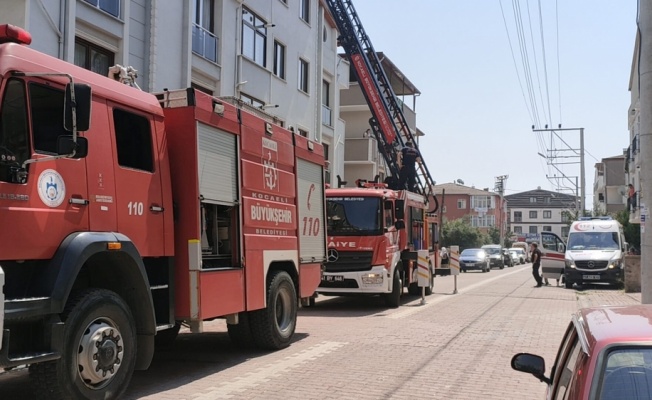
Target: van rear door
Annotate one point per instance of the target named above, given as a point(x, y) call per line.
point(553, 250)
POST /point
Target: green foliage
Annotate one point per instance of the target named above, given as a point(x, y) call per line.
point(632, 231)
point(460, 232)
point(494, 235)
point(507, 242)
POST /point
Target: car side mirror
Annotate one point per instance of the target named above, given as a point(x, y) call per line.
point(66, 145)
point(81, 104)
point(531, 364)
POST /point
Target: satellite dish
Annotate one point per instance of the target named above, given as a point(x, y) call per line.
point(622, 190)
point(459, 181)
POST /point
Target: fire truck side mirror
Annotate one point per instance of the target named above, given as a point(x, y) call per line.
point(399, 209)
point(82, 106)
point(66, 146)
point(400, 224)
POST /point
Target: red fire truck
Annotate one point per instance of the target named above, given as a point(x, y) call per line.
point(378, 231)
point(144, 212)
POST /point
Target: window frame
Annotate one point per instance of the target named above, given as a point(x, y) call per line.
point(96, 4)
point(89, 47)
point(304, 11)
point(461, 204)
point(533, 214)
point(279, 68)
point(547, 214)
point(304, 76)
point(257, 31)
point(132, 131)
point(518, 216)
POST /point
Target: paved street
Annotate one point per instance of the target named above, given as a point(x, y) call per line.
point(454, 347)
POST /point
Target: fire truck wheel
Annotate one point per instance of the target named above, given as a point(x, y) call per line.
point(272, 327)
point(393, 299)
point(99, 350)
point(240, 333)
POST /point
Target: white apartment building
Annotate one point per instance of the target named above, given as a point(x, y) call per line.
point(609, 188)
point(633, 159)
point(535, 211)
point(279, 56)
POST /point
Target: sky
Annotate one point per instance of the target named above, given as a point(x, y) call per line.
point(475, 106)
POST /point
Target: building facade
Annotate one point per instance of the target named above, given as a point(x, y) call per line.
point(481, 207)
point(609, 188)
point(633, 155)
point(535, 211)
point(278, 56)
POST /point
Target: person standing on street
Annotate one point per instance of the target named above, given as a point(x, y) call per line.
point(536, 263)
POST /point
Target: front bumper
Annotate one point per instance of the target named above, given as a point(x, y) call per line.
point(606, 275)
point(496, 262)
point(376, 280)
point(470, 266)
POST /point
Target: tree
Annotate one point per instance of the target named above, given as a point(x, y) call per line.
point(632, 231)
point(459, 232)
point(494, 235)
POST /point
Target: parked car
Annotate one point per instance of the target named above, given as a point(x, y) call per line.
point(605, 354)
point(516, 258)
point(523, 246)
point(522, 255)
point(508, 260)
point(495, 255)
point(471, 259)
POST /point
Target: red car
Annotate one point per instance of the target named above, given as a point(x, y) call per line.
point(606, 354)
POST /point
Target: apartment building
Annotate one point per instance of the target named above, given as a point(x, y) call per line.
point(277, 56)
point(362, 159)
point(480, 206)
point(633, 155)
point(535, 211)
point(609, 188)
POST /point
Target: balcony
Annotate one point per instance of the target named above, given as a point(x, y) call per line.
point(204, 43)
point(326, 115)
point(361, 150)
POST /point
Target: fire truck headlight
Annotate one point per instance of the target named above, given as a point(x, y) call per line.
point(372, 279)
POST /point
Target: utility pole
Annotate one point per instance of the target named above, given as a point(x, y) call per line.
point(645, 189)
point(559, 154)
point(500, 188)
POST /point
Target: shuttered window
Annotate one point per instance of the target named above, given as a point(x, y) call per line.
point(217, 165)
point(311, 212)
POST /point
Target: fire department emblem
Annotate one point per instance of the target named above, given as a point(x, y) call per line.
point(51, 188)
point(269, 160)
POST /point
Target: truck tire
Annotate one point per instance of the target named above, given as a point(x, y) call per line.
point(99, 350)
point(240, 334)
point(393, 299)
point(429, 288)
point(272, 327)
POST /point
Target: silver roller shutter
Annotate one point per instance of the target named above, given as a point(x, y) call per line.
point(217, 164)
point(310, 188)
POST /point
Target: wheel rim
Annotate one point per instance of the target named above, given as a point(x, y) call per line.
point(283, 310)
point(100, 353)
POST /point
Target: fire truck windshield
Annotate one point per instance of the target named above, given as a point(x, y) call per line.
point(354, 216)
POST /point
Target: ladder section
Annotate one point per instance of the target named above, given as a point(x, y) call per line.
point(388, 123)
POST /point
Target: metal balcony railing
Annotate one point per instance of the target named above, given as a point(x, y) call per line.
point(326, 115)
point(204, 43)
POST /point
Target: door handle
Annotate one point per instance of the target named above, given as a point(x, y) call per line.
point(78, 201)
point(156, 209)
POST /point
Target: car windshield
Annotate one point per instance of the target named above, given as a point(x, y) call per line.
point(473, 253)
point(627, 374)
point(353, 216)
point(593, 241)
point(492, 250)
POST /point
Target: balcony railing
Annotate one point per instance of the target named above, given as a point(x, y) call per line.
point(204, 43)
point(326, 115)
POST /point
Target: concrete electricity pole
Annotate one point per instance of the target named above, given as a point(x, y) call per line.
point(645, 190)
point(500, 187)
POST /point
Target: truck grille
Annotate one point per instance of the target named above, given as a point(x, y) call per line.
point(591, 264)
point(349, 261)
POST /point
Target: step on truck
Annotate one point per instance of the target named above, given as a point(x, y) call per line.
point(127, 214)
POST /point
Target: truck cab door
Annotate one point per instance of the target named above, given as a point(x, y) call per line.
point(553, 250)
point(139, 197)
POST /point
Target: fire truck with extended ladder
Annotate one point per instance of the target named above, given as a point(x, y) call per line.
point(377, 231)
point(166, 209)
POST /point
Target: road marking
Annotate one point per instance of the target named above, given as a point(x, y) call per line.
point(250, 380)
point(407, 311)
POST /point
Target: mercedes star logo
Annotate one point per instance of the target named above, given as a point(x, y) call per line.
point(333, 255)
point(590, 264)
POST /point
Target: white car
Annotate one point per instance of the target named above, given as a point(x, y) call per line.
point(521, 254)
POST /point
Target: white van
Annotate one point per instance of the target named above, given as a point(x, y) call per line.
point(595, 252)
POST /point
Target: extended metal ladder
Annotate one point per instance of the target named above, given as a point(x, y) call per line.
point(388, 122)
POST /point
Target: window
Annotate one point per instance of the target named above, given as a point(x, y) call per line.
point(518, 216)
point(533, 199)
point(303, 132)
point(533, 229)
point(304, 10)
point(484, 221)
point(92, 57)
point(601, 197)
point(279, 60)
point(627, 374)
point(46, 105)
point(547, 228)
point(14, 144)
point(325, 104)
point(204, 42)
point(133, 139)
point(533, 214)
point(518, 229)
point(484, 202)
point(110, 6)
point(461, 204)
point(254, 37)
point(388, 213)
point(548, 200)
point(564, 231)
point(565, 216)
point(303, 75)
point(547, 214)
point(251, 100)
point(567, 371)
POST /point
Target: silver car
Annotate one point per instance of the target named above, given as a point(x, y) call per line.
point(471, 259)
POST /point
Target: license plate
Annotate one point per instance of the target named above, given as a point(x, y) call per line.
point(469, 264)
point(332, 278)
point(591, 277)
